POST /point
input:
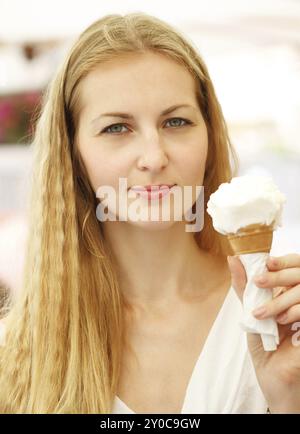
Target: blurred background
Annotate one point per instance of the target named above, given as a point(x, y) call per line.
point(252, 50)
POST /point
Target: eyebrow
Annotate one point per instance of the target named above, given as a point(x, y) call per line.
point(130, 116)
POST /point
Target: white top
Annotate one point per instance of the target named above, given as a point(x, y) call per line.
point(223, 379)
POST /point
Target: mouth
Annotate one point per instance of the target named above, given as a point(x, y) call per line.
point(152, 191)
point(151, 187)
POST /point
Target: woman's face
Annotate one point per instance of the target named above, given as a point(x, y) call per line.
point(151, 142)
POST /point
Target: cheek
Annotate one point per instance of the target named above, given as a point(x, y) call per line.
point(192, 163)
point(103, 168)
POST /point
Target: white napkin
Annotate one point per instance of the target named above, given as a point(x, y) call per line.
point(255, 264)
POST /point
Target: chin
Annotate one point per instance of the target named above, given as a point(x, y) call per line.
point(152, 226)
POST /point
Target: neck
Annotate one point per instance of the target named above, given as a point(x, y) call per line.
point(159, 267)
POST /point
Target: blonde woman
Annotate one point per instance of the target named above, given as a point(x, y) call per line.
point(136, 316)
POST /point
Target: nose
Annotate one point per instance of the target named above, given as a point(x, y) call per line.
point(153, 156)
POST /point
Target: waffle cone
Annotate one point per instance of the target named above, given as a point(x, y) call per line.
point(251, 239)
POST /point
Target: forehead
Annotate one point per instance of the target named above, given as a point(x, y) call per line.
point(135, 80)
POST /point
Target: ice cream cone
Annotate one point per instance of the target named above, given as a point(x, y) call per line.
point(251, 239)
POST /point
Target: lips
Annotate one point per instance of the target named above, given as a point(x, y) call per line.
point(152, 187)
point(152, 192)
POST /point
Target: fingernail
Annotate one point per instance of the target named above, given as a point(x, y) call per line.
point(274, 261)
point(282, 318)
point(261, 279)
point(260, 311)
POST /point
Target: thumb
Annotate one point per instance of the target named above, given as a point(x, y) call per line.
point(238, 275)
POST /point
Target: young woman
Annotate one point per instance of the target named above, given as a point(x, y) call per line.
point(136, 316)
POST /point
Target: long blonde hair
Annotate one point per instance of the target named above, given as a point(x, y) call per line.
point(65, 331)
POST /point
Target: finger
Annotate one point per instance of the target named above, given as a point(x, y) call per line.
point(285, 277)
point(277, 290)
point(280, 262)
point(289, 316)
point(279, 304)
point(238, 275)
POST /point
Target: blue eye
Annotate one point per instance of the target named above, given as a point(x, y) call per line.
point(186, 122)
point(114, 129)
